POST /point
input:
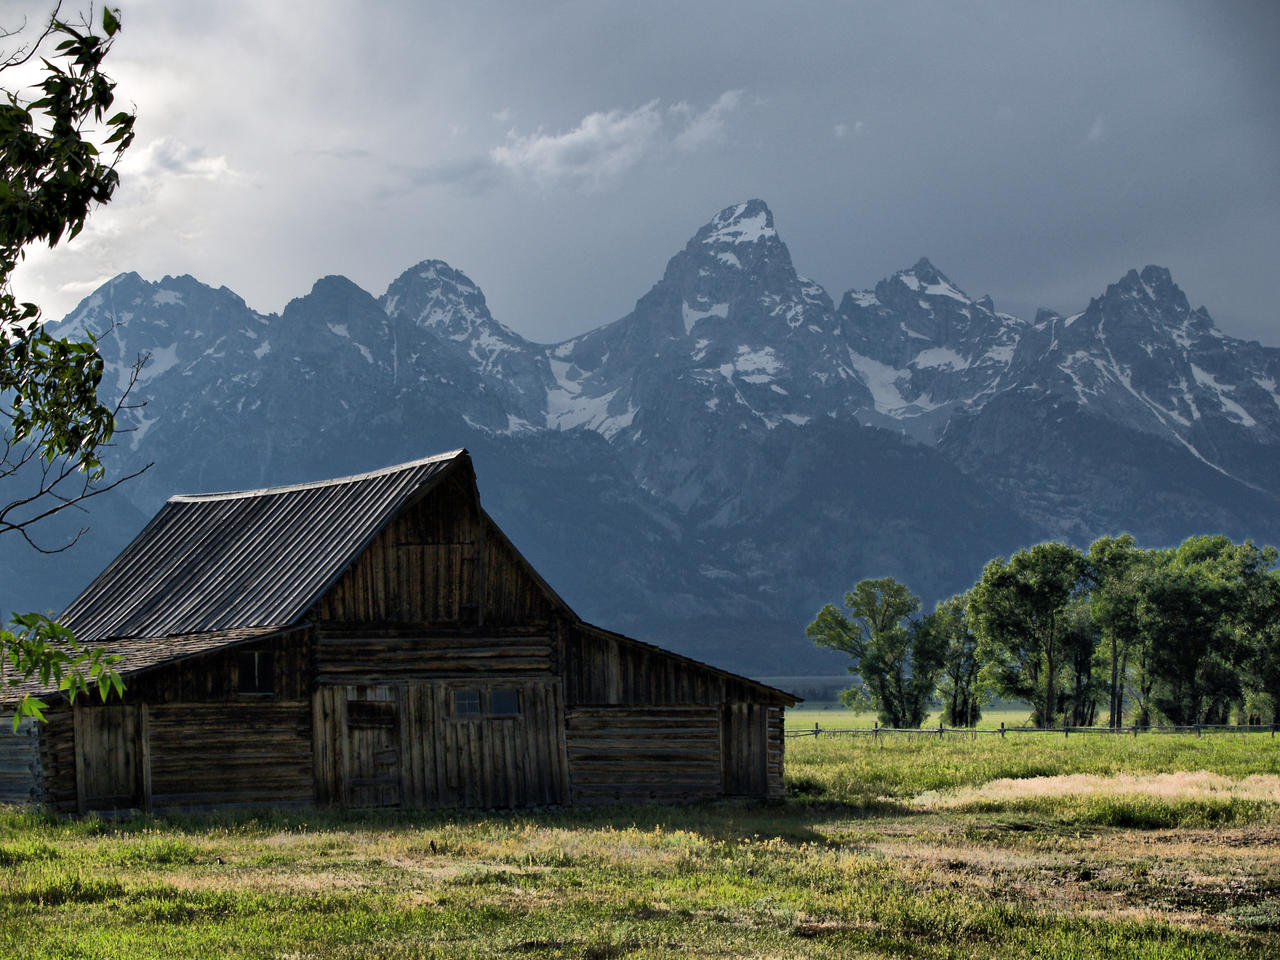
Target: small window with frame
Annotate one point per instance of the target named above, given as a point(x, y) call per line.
point(255, 673)
point(466, 702)
point(504, 702)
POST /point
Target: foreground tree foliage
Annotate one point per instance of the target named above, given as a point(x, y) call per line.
point(898, 662)
point(1185, 636)
point(58, 150)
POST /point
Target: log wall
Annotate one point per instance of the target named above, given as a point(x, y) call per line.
point(58, 759)
point(642, 753)
point(228, 755)
point(352, 655)
point(776, 750)
point(19, 762)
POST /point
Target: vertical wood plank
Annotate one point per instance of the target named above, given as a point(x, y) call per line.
point(81, 750)
point(144, 755)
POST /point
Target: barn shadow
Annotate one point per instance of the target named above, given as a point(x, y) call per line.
point(798, 819)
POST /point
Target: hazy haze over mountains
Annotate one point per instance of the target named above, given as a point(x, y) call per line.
point(737, 450)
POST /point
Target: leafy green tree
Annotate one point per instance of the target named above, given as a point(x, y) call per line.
point(1083, 687)
point(1017, 609)
point(1117, 566)
point(1194, 616)
point(58, 151)
point(1260, 627)
point(898, 662)
point(961, 688)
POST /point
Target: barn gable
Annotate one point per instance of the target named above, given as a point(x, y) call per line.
point(376, 641)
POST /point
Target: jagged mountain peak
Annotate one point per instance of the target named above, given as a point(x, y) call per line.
point(742, 238)
point(748, 222)
point(924, 279)
point(1153, 287)
point(440, 297)
point(333, 295)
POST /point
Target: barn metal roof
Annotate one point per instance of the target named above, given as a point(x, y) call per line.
point(249, 558)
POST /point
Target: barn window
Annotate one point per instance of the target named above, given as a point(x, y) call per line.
point(256, 673)
point(504, 702)
point(466, 701)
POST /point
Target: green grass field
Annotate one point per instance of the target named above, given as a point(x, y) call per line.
point(1158, 846)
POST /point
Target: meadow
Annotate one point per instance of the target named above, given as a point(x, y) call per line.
point(1155, 846)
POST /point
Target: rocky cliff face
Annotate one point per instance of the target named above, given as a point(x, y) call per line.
point(736, 451)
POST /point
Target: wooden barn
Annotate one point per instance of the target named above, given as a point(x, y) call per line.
point(374, 641)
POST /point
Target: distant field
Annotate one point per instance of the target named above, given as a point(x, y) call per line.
point(1161, 846)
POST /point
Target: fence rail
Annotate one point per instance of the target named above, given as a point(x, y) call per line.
point(1199, 729)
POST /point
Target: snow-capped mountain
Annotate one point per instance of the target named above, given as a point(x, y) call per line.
point(737, 450)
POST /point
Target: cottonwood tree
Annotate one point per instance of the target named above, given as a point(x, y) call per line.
point(1117, 567)
point(898, 660)
point(1078, 700)
point(1194, 617)
point(962, 691)
point(1018, 610)
point(58, 148)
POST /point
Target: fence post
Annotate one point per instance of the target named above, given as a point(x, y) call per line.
point(1273, 730)
point(939, 729)
point(1064, 728)
point(1001, 729)
point(1197, 729)
point(815, 729)
point(875, 731)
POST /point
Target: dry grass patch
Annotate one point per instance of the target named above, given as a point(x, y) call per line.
point(1179, 786)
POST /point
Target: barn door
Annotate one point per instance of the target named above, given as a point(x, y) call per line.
point(373, 754)
point(109, 765)
point(745, 749)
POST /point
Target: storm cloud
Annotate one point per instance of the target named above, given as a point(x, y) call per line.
point(560, 152)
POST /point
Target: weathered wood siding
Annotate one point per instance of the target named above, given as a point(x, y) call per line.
point(192, 755)
point(355, 655)
point(227, 755)
point(58, 758)
point(402, 745)
point(746, 746)
point(600, 668)
point(644, 752)
point(439, 561)
point(109, 744)
point(19, 761)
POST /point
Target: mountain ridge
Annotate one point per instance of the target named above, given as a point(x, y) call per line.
point(739, 448)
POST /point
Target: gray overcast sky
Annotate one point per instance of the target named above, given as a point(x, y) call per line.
point(560, 152)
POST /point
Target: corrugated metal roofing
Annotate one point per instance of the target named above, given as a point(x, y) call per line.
point(251, 558)
point(141, 653)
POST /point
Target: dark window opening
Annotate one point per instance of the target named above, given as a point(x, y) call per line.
point(371, 714)
point(256, 672)
point(504, 702)
point(466, 701)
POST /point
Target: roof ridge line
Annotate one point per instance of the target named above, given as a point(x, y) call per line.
point(316, 484)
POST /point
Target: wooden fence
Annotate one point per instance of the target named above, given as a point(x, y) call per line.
point(1199, 729)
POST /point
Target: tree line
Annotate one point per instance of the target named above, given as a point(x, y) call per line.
point(1116, 635)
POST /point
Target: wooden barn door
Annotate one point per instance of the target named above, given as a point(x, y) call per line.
point(745, 749)
point(373, 753)
point(110, 757)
